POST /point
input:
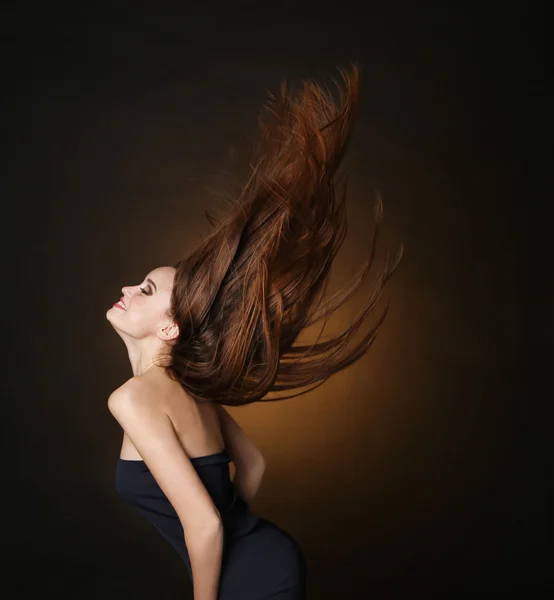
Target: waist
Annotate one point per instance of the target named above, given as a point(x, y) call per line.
point(237, 518)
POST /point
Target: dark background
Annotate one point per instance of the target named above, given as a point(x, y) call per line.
point(425, 468)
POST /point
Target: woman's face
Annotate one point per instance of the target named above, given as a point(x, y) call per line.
point(145, 306)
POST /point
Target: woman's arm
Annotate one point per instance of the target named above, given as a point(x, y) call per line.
point(247, 481)
point(152, 433)
point(205, 552)
point(247, 457)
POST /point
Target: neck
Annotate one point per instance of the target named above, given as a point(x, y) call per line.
point(142, 357)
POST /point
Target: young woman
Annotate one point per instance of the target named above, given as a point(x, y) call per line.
point(218, 328)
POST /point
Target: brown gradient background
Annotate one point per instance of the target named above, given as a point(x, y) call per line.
point(423, 469)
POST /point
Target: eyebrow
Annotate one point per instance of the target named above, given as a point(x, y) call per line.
point(155, 287)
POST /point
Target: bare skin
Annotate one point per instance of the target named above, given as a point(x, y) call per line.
point(196, 424)
point(202, 428)
point(167, 424)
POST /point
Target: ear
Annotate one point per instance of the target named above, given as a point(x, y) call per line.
point(169, 332)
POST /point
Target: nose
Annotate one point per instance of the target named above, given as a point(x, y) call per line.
point(129, 290)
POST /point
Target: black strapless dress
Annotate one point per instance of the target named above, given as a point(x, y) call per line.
point(260, 561)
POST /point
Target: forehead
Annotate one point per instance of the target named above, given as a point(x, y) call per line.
point(162, 277)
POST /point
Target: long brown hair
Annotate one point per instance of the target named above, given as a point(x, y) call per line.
point(243, 296)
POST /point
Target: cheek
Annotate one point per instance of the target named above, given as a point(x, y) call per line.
point(142, 320)
point(151, 313)
point(139, 311)
point(147, 312)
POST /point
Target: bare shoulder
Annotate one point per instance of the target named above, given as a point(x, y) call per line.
point(135, 391)
point(152, 435)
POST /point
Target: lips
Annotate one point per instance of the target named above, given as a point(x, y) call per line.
point(120, 304)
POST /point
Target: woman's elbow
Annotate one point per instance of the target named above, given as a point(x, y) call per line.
point(205, 527)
